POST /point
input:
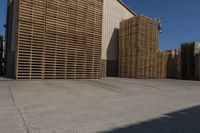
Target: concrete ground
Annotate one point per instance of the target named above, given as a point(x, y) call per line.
point(110, 105)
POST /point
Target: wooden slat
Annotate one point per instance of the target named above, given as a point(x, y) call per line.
point(59, 39)
point(138, 48)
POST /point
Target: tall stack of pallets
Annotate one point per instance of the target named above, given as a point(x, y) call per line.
point(103, 68)
point(161, 64)
point(197, 60)
point(178, 61)
point(168, 64)
point(189, 61)
point(140, 56)
point(1, 55)
point(59, 39)
point(173, 64)
point(138, 48)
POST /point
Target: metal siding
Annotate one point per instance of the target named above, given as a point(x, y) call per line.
point(113, 13)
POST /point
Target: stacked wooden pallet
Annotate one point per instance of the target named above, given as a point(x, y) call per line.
point(140, 56)
point(59, 39)
point(1, 54)
point(161, 64)
point(168, 64)
point(1, 47)
point(138, 48)
point(197, 71)
point(173, 64)
point(197, 61)
point(103, 68)
point(188, 61)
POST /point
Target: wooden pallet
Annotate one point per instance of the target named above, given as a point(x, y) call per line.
point(1, 55)
point(103, 68)
point(140, 56)
point(59, 39)
point(188, 61)
point(197, 70)
point(173, 64)
point(138, 47)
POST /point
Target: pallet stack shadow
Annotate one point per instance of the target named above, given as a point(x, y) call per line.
point(190, 61)
point(59, 39)
point(138, 48)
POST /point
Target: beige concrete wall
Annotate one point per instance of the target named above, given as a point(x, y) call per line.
point(113, 13)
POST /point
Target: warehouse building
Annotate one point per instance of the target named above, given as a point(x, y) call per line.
point(190, 61)
point(54, 39)
point(114, 11)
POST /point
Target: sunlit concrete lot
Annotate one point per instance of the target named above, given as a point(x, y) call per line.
point(110, 105)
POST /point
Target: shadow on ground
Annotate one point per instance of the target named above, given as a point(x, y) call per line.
point(184, 121)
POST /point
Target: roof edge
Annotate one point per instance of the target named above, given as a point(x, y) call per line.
point(124, 5)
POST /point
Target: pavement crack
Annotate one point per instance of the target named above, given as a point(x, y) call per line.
point(18, 109)
point(11, 93)
point(23, 119)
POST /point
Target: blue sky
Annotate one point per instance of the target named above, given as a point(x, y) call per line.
point(180, 19)
point(2, 15)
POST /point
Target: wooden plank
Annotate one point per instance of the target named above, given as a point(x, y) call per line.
point(138, 48)
point(59, 39)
